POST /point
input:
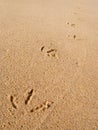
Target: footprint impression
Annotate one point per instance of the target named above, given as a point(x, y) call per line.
point(72, 25)
point(50, 52)
point(13, 102)
point(42, 107)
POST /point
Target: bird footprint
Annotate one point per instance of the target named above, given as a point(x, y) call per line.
point(45, 105)
point(51, 52)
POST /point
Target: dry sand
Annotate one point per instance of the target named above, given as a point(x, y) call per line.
point(48, 64)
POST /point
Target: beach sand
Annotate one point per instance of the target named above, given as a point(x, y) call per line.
point(48, 64)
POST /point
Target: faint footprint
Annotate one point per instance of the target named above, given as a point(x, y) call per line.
point(52, 52)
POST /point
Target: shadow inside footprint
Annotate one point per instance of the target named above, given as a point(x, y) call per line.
point(29, 96)
point(12, 102)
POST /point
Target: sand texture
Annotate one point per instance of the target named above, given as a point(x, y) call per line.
point(48, 64)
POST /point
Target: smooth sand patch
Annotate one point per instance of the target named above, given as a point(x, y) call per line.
point(48, 65)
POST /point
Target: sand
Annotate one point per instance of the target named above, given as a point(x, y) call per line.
point(48, 64)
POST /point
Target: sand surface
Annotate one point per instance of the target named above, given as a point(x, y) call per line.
point(48, 64)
